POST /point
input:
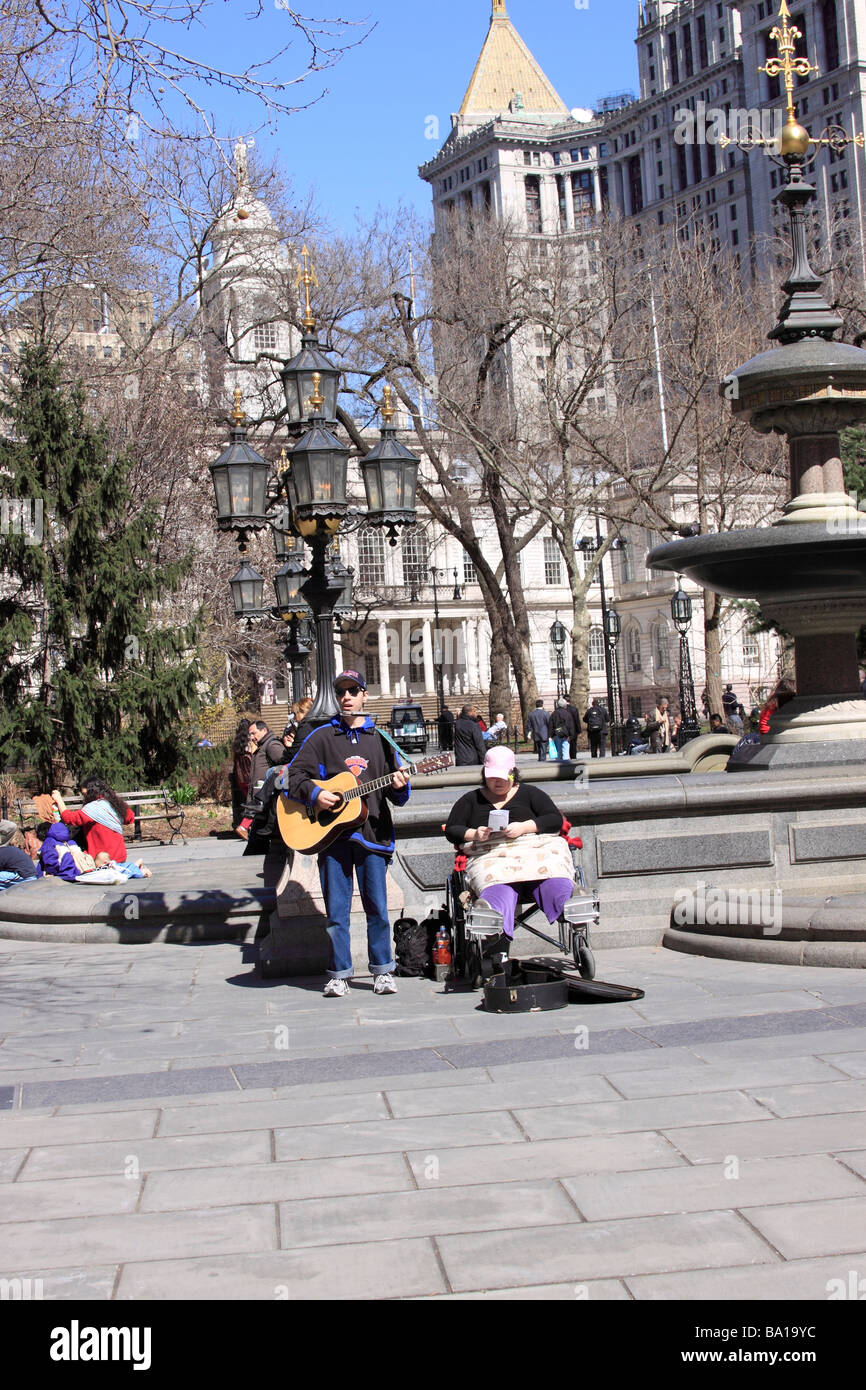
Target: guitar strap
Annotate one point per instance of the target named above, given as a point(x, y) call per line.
point(388, 739)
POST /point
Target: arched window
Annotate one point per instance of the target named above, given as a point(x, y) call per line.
point(661, 646)
point(632, 643)
point(596, 650)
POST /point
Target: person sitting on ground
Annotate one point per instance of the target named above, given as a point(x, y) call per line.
point(16, 866)
point(527, 858)
point(59, 854)
point(102, 818)
point(107, 871)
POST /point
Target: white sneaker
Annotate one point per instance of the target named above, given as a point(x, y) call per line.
point(384, 984)
point(335, 989)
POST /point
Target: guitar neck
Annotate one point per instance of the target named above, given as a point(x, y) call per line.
point(364, 788)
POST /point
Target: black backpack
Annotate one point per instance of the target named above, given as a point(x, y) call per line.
point(594, 718)
point(412, 947)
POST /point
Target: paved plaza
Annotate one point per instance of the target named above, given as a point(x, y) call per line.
point(173, 1127)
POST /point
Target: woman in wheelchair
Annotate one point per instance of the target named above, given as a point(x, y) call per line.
point(510, 834)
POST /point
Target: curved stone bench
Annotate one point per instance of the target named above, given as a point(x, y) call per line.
point(804, 931)
point(171, 907)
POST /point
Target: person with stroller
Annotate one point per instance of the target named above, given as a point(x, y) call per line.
point(511, 834)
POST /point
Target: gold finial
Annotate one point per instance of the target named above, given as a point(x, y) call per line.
point(307, 277)
point(499, 7)
point(284, 463)
point(787, 65)
point(238, 415)
point(317, 400)
point(387, 408)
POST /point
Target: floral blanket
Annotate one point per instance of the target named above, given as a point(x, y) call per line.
point(525, 860)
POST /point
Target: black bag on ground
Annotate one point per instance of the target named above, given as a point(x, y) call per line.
point(412, 947)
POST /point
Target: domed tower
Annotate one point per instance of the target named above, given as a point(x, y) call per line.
point(243, 301)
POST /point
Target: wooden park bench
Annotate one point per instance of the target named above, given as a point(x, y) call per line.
point(156, 804)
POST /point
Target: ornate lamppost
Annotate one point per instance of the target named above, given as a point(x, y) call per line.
point(316, 509)
point(681, 612)
point(558, 638)
point(612, 634)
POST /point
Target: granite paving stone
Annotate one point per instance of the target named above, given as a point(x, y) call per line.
point(592, 1290)
point(277, 1182)
point(817, 1044)
point(34, 1201)
point(832, 1097)
point(679, 1081)
point(366, 1105)
point(656, 1011)
point(851, 1063)
point(801, 1229)
point(10, 1163)
point(795, 1281)
point(771, 1137)
point(663, 1112)
point(555, 1047)
point(389, 1136)
point(18, 1129)
point(855, 1160)
point(188, 1151)
point(545, 1158)
point(732, 1029)
point(593, 1062)
point(340, 1068)
point(616, 1249)
point(496, 1096)
point(711, 1187)
point(136, 1086)
point(402, 1215)
point(150, 1235)
point(390, 1269)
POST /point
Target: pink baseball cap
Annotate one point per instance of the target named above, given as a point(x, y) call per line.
point(499, 762)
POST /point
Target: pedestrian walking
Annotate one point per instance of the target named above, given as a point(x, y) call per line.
point(538, 729)
point(468, 739)
point(596, 722)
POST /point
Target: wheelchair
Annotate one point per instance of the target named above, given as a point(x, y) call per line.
point(478, 940)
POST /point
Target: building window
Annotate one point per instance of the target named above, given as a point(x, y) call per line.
point(636, 183)
point(688, 55)
point(830, 26)
point(661, 647)
point(533, 204)
point(470, 575)
point(416, 560)
point(552, 562)
point(703, 52)
point(751, 652)
point(596, 650)
point(371, 559)
point(673, 60)
point(582, 197)
point(632, 646)
point(265, 337)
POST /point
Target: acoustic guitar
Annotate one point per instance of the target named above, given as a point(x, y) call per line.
point(307, 831)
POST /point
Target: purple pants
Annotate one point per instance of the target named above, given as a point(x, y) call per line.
point(551, 895)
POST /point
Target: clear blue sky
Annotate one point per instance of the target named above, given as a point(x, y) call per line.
point(361, 144)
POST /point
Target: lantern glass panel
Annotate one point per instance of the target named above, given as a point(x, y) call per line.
point(681, 609)
point(247, 588)
point(612, 625)
point(223, 495)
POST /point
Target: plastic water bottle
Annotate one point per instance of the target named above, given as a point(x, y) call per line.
point(442, 948)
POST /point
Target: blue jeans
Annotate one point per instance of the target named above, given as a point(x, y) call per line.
point(335, 874)
point(559, 743)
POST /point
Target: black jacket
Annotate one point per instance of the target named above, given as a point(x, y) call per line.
point(468, 742)
point(335, 748)
point(271, 752)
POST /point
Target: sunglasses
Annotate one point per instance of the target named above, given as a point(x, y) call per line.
point(349, 690)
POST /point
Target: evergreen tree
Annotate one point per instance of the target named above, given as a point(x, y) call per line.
point(854, 459)
point(93, 675)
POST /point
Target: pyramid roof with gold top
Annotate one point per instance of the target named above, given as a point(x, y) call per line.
point(507, 77)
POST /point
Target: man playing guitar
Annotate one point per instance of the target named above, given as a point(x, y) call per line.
point(351, 742)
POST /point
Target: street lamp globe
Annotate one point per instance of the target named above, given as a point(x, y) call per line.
point(612, 627)
point(240, 481)
point(558, 636)
point(390, 473)
point(287, 585)
point(681, 609)
point(247, 588)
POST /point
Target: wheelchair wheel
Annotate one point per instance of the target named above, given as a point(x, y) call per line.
point(583, 958)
